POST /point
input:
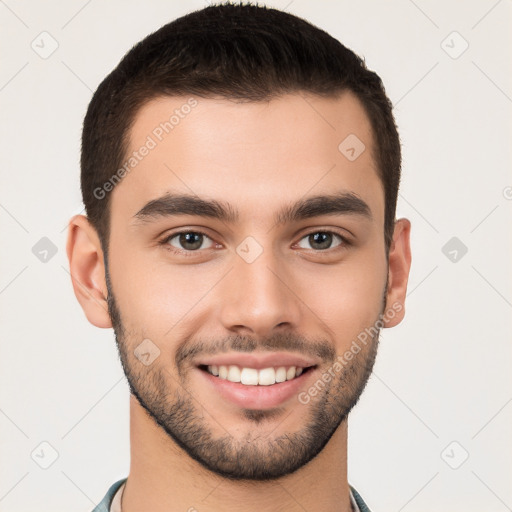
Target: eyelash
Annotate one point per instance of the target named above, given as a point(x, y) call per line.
point(345, 242)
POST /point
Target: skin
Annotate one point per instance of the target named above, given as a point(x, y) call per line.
point(258, 157)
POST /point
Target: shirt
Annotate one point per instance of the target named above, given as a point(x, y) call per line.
point(112, 500)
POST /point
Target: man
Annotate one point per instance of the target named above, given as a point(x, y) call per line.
point(240, 170)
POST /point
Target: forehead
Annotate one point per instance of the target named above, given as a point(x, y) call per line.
point(254, 155)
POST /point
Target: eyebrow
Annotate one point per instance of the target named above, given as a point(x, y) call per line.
point(169, 205)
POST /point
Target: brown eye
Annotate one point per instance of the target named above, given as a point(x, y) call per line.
point(321, 240)
point(187, 240)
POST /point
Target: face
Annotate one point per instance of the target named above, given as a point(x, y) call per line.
point(225, 266)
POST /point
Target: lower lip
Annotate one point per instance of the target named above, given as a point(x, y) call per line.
point(257, 397)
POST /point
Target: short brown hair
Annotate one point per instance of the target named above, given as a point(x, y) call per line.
point(236, 51)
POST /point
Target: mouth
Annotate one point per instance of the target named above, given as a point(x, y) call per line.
point(256, 377)
point(257, 380)
point(262, 388)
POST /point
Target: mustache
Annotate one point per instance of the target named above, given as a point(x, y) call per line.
point(282, 342)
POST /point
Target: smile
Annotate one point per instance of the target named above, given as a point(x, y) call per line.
point(255, 377)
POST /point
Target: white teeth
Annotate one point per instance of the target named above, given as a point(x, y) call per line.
point(234, 373)
point(253, 377)
point(281, 374)
point(267, 377)
point(249, 377)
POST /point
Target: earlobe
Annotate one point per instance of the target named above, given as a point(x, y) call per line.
point(398, 273)
point(87, 270)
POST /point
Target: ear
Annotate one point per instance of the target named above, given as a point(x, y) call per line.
point(398, 273)
point(87, 270)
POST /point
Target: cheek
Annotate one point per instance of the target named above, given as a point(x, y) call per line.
point(157, 299)
point(348, 298)
point(138, 289)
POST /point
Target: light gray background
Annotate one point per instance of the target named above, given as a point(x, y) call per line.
point(442, 376)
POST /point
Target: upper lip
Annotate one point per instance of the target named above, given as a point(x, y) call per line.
point(258, 361)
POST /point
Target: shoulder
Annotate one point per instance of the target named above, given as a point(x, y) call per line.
point(363, 507)
point(104, 505)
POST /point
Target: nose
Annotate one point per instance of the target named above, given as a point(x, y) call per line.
point(258, 297)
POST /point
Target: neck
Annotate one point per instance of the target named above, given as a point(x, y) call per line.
point(164, 477)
